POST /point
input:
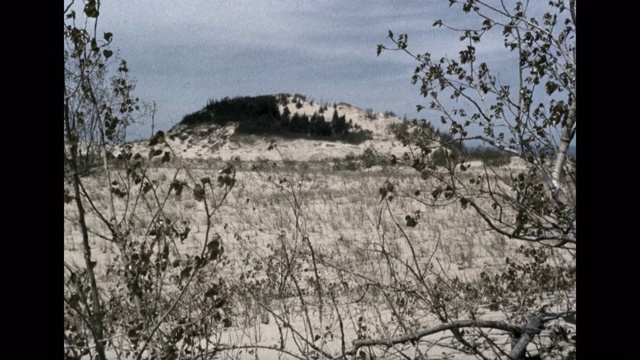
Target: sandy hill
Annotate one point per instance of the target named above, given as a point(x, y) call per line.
point(213, 141)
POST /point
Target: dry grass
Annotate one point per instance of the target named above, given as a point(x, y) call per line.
point(337, 208)
point(357, 238)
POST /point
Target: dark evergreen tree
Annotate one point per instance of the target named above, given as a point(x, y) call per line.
point(295, 125)
point(324, 128)
point(304, 124)
point(285, 118)
point(286, 112)
point(314, 125)
point(339, 124)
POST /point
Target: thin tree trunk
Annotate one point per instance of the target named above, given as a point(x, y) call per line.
point(97, 325)
point(565, 140)
point(532, 327)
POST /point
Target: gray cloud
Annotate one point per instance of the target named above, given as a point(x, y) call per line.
point(183, 55)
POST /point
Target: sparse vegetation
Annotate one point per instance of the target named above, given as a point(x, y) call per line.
point(425, 256)
point(261, 116)
point(443, 148)
point(366, 160)
point(489, 156)
point(540, 196)
point(370, 114)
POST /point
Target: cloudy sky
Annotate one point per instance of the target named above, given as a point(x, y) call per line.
point(183, 53)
